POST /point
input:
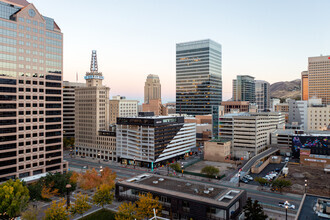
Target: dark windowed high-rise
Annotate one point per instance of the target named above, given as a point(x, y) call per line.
point(198, 77)
point(244, 89)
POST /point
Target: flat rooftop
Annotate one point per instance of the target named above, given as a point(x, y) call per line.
point(307, 133)
point(307, 208)
point(217, 195)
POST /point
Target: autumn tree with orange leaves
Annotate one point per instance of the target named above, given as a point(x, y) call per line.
point(92, 179)
point(49, 191)
point(146, 205)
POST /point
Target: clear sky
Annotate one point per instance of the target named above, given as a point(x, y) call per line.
point(270, 40)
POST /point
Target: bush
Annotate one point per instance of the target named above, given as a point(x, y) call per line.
point(210, 171)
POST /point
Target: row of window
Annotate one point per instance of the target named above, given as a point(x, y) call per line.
point(29, 22)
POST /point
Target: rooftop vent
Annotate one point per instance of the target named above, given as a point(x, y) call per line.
point(154, 182)
point(161, 179)
point(196, 190)
point(206, 191)
point(188, 184)
point(211, 189)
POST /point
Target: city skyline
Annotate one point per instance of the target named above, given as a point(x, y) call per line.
point(269, 40)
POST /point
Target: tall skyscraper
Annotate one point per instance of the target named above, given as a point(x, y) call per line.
point(244, 88)
point(31, 51)
point(152, 88)
point(69, 107)
point(262, 95)
point(319, 78)
point(93, 137)
point(304, 85)
point(198, 77)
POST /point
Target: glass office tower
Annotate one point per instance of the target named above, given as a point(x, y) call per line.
point(31, 54)
point(198, 77)
point(244, 89)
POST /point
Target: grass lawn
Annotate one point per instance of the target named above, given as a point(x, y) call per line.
point(102, 214)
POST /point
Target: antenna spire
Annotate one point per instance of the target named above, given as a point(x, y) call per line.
point(94, 67)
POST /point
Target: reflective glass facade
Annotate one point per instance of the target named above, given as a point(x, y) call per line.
point(198, 77)
point(244, 89)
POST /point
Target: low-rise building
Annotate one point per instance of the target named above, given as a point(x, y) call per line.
point(185, 199)
point(217, 150)
point(229, 106)
point(153, 140)
point(155, 106)
point(318, 117)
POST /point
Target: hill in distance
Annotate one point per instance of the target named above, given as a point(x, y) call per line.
point(287, 89)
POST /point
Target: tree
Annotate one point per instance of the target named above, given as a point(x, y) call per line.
point(261, 181)
point(68, 142)
point(35, 191)
point(126, 211)
point(280, 184)
point(49, 191)
point(103, 195)
point(30, 214)
point(59, 181)
point(14, 197)
point(91, 179)
point(176, 167)
point(146, 204)
point(81, 205)
point(253, 210)
point(210, 171)
point(57, 211)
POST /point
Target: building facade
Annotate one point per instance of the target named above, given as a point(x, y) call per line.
point(152, 88)
point(319, 78)
point(93, 137)
point(150, 140)
point(244, 89)
point(155, 106)
point(198, 77)
point(298, 113)
point(262, 95)
point(240, 106)
point(69, 108)
point(318, 117)
point(304, 85)
point(249, 132)
point(31, 132)
point(122, 107)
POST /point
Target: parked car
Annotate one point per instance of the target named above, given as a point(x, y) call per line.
point(283, 204)
point(278, 169)
point(248, 177)
point(287, 159)
point(244, 180)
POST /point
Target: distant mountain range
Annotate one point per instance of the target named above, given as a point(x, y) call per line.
point(291, 89)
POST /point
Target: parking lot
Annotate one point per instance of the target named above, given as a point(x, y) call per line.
point(270, 167)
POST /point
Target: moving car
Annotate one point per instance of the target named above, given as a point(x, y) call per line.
point(248, 177)
point(283, 204)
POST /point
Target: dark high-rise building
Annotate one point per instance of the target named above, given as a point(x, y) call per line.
point(262, 95)
point(244, 89)
point(198, 77)
point(31, 52)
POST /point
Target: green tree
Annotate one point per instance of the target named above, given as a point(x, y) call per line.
point(210, 171)
point(81, 205)
point(14, 197)
point(126, 211)
point(261, 181)
point(103, 195)
point(253, 210)
point(68, 142)
point(30, 214)
point(57, 211)
point(59, 181)
point(280, 184)
point(146, 205)
point(35, 191)
point(176, 167)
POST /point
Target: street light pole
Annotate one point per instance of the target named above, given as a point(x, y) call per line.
point(239, 177)
point(286, 210)
point(182, 168)
point(68, 187)
point(99, 155)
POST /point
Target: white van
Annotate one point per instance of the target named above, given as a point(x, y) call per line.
point(286, 159)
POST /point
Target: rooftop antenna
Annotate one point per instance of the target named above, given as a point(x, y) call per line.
point(94, 67)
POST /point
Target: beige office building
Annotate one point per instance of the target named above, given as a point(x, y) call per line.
point(318, 117)
point(152, 88)
point(249, 132)
point(94, 138)
point(122, 107)
point(319, 78)
point(31, 52)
